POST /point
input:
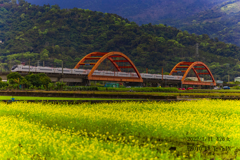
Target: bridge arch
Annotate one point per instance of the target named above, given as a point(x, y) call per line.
point(101, 56)
point(195, 66)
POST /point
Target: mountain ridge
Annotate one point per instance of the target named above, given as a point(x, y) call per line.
point(50, 34)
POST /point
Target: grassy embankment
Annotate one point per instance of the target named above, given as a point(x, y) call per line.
point(191, 93)
point(55, 98)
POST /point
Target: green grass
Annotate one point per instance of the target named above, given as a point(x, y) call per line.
point(212, 93)
point(55, 98)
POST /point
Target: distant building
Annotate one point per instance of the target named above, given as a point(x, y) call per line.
point(208, 81)
point(194, 78)
point(237, 79)
point(219, 82)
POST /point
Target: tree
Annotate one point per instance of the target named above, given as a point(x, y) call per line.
point(38, 79)
point(4, 1)
point(21, 2)
point(45, 80)
point(25, 83)
point(3, 84)
point(44, 54)
point(17, 81)
point(14, 1)
point(14, 75)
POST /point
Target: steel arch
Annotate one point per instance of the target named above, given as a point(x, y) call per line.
point(109, 55)
point(189, 66)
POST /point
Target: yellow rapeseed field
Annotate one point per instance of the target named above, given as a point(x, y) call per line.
point(202, 129)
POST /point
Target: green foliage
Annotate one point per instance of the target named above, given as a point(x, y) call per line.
point(235, 87)
point(38, 79)
point(14, 75)
point(81, 88)
point(35, 33)
point(60, 85)
point(3, 84)
point(220, 21)
point(166, 73)
point(58, 61)
point(44, 54)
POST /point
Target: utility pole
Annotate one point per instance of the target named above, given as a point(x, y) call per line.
point(197, 55)
point(43, 64)
point(10, 65)
point(228, 66)
point(114, 70)
point(146, 70)
point(29, 65)
point(162, 74)
point(62, 71)
point(162, 78)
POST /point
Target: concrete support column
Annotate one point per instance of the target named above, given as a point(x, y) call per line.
point(86, 82)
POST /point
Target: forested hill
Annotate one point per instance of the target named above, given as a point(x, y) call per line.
point(52, 34)
point(221, 21)
point(140, 11)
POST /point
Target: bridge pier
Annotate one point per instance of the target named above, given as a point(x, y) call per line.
point(86, 82)
point(154, 84)
point(133, 84)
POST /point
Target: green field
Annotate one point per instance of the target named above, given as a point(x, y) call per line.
point(166, 93)
point(184, 130)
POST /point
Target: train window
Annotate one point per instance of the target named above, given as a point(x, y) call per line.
point(45, 69)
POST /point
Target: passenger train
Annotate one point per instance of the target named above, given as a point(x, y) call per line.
point(39, 69)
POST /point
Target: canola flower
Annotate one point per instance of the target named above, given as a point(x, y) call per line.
point(20, 139)
point(126, 130)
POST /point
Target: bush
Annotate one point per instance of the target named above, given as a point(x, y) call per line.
point(38, 79)
point(235, 87)
point(14, 75)
point(143, 89)
point(3, 84)
point(81, 88)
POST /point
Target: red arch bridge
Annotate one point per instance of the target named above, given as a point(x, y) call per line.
point(124, 71)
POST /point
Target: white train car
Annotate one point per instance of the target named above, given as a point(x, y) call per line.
point(109, 73)
point(79, 71)
point(132, 74)
point(170, 77)
point(22, 68)
point(179, 77)
point(159, 76)
point(39, 69)
point(146, 75)
point(88, 71)
point(98, 73)
point(44, 69)
point(123, 74)
point(65, 70)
